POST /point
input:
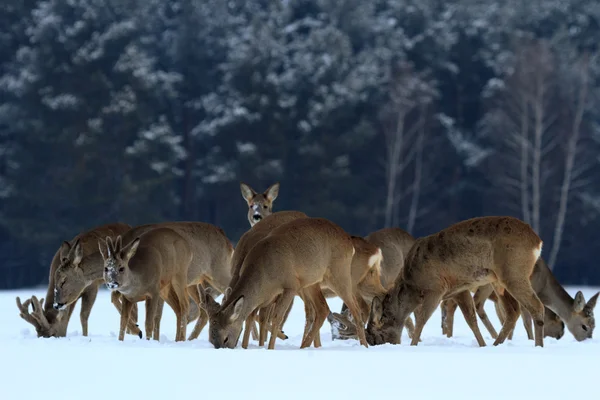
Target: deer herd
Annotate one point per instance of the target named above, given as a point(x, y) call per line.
point(383, 279)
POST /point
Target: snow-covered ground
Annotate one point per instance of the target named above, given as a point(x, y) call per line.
point(100, 367)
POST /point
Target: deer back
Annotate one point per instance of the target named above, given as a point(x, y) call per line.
point(395, 244)
point(471, 253)
point(258, 232)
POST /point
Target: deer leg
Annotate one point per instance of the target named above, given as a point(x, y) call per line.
point(279, 311)
point(321, 311)
point(151, 306)
point(467, 306)
point(88, 297)
point(309, 311)
point(510, 308)
point(132, 326)
point(248, 329)
point(125, 310)
point(157, 318)
point(422, 315)
point(202, 317)
point(522, 291)
point(527, 320)
point(481, 295)
point(448, 309)
point(264, 319)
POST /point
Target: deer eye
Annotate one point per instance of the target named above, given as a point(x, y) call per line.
point(265, 207)
point(584, 327)
point(105, 269)
point(226, 339)
point(121, 269)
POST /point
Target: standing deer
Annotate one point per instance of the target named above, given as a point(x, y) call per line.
point(52, 319)
point(296, 258)
point(149, 267)
point(211, 265)
point(464, 256)
point(257, 232)
point(260, 205)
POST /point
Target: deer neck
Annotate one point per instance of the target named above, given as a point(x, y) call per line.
point(553, 295)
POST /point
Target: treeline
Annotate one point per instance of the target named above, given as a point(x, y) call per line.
point(411, 113)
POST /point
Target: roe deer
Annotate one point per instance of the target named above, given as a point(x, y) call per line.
point(149, 267)
point(460, 258)
point(575, 312)
point(256, 233)
point(53, 318)
point(294, 259)
point(260, 205)
point(210, 266)
point(394, 244)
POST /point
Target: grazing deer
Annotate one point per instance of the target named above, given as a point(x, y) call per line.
point(554, 327)
point(575, 312)
point(212, 254)
point(256, 233)
point(149, 267)
point(260, 205)
point(462, 257)
point(394, 244)
point(295, 258)
point(52, 319)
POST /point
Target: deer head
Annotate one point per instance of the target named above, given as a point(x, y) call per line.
point(388, 315)
point(117, 273)
point(581, 323)
point(260, 205)
point(69, 280)
point(225, 322)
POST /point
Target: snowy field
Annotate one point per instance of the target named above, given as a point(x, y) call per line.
point(100, 367)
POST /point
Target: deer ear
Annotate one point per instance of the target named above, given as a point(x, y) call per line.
point(579, 302)
point(118, 246)
point(65, 248)
point(206, 301)
point(77, 253)
point(272, 192)
point(376, 311)
point(247, 192)
point(103, 248)
point(129, 251)
point(110, 249)
point(592, 302)
point(237, 309)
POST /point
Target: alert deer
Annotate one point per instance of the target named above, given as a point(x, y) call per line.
point(150, 267)
point(394, 244)
point(260, 205)
point(52, 319)
point(462, 257)
point(295, 258)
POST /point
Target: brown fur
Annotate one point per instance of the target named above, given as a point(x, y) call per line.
point(212, 254)
point(51, 321)
point(260, 205)
point(394, 244)
point(293, 260)
point(151, 266)
point(257, 232)
point(462, 257)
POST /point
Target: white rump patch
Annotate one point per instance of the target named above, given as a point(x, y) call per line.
point(538, 251)
point(376, 258)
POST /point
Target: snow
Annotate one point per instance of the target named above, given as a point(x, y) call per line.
point(99, 366)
